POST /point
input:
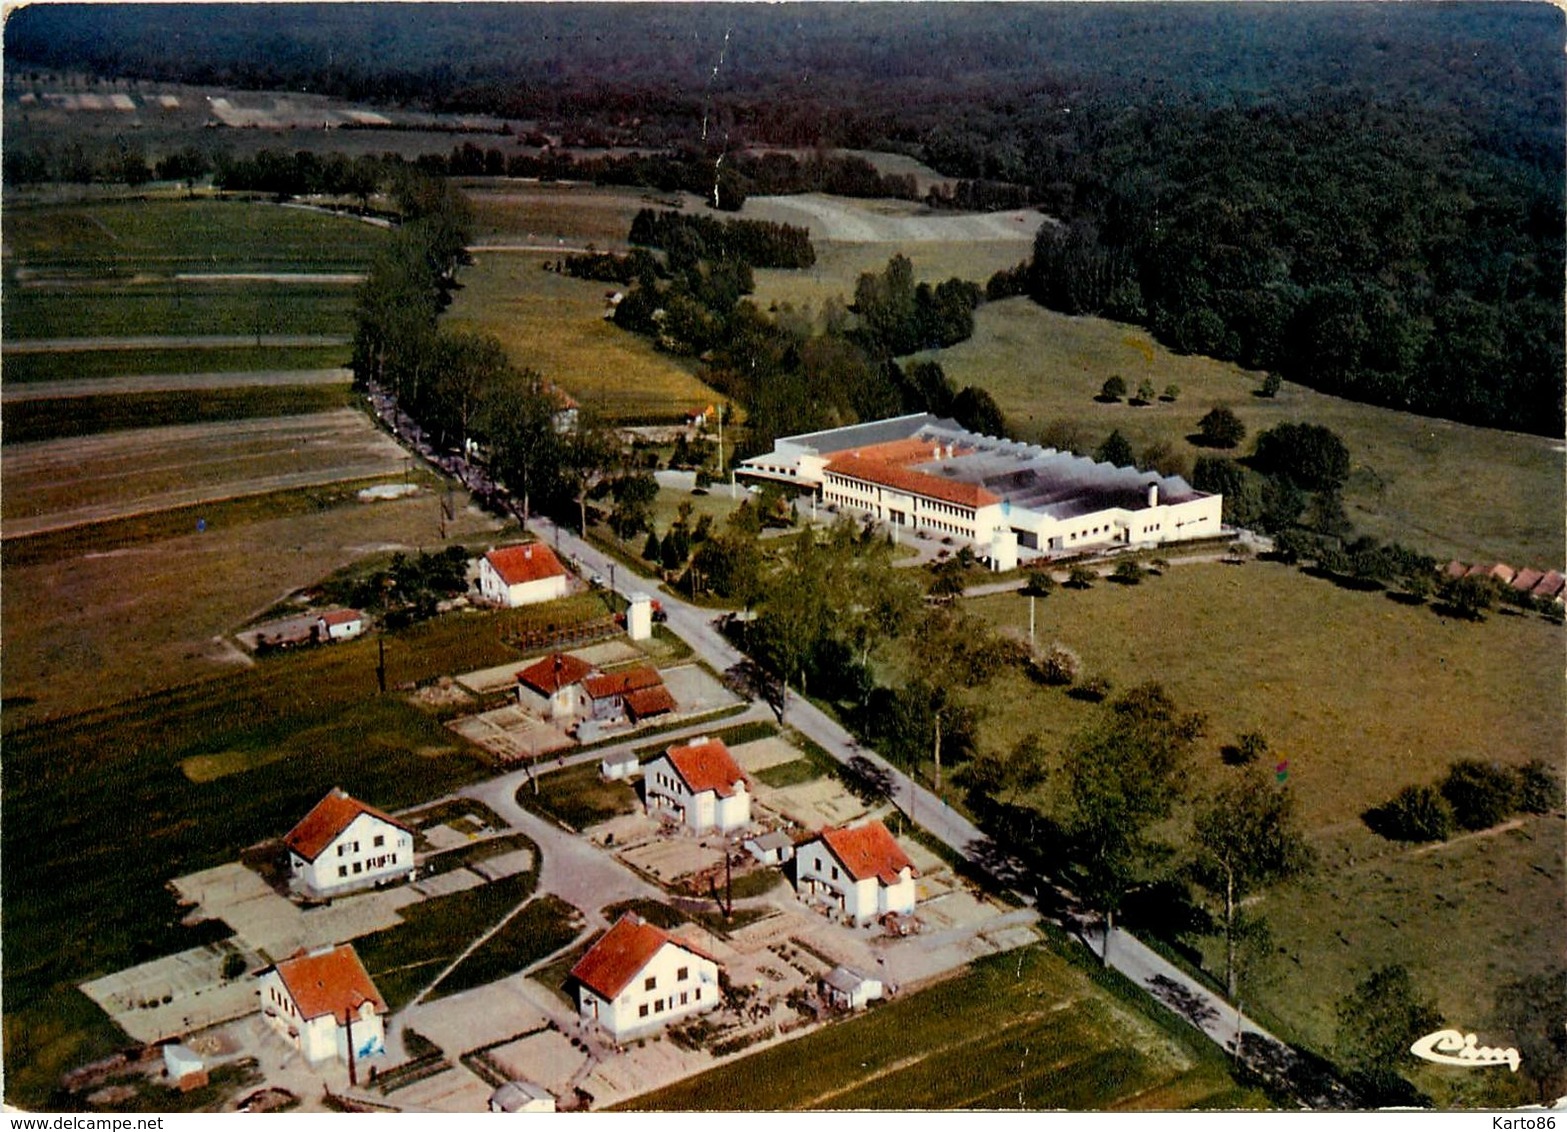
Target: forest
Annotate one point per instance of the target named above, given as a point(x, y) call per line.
point(1364, 198)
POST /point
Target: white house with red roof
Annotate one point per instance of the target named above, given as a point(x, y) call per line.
point(859, 870)
point(553, 686)
point(340, 624)
point(638, 978)
point(323, 1004)
point(521, 575)
point(700, 785)
point(343, 844)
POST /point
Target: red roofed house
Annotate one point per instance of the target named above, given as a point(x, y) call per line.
point(1526, 579)
point(700, 785)
point(634, 693)
point(859, 870)
point(557, 681)
point(521, 575)
point(1550, 585)
point(342, 845)
point(340, 624)
point(317, 999)
point(637, 978)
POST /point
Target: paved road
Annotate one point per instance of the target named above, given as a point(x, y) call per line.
point(186, 342)
point(170, 382)
point(1127, 954)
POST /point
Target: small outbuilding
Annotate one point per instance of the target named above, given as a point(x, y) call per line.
point(621, 765)
point(771, 848)
point(522, 1096)
point(340, 624)
point(184, 1067)
point(846, 989)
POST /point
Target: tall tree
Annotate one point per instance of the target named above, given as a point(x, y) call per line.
point(1246, 838)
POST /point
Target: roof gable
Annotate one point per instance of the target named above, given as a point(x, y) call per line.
point(529, 562)
point(619, 956)
point(623, 681)
point(330, 817)
point(554, 672)
point(706, 765)
point(868, 850)
point(331, 981)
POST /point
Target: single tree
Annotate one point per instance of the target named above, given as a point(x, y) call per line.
point(1220, 428)
point(1127, 572)
point(1251, 746)
point(1113, 389)
point(1246, 838)
point(1116, 450)
point(1271, 385)
point(1481, 794)
point(1172, 392)
point(1080, 578)
point(1145, 392)
point(1378, 1021)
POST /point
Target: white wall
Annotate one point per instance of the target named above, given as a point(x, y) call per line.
point(666, 792)
point(356, 849)
point(640, 1009)
point(818, 873)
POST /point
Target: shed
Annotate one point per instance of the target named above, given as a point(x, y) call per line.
point(522, 1096)
point(771, 848)
point(847, 989)
point(184, 1067)
point(618, 765)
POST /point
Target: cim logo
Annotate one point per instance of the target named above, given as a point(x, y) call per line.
point(1449, 1047)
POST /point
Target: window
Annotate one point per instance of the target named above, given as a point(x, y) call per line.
point(818, 864)
point(356, 867)
point(650, 982)
point(380, 840)
point(341, 849)
point(697, 994)
point(684, 997)
point(658, 1006)
point(834, 872)
point(642, 1011)
point(342, 870)
point(682, 974)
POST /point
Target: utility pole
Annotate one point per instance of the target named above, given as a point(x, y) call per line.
point(348, 1021)
point(938, 754)
point(720, 440)
point(1031, 623)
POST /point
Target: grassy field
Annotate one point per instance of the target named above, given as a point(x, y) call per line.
point(579, 797)
point(1026, 1030)
point(555, 325)
point(69, 365)
point(54, 418)
point(1447, 489)
point(128, 240)
point(574, 215)
point(1362, 696)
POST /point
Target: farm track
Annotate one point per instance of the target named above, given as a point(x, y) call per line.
point(189, 342)
point(171, 382)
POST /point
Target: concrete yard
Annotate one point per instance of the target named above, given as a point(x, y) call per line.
point(695, 690)
point(546, 1058)
point(764, 753)
point(511, 733)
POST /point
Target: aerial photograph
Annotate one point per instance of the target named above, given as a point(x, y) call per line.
point(683, 557)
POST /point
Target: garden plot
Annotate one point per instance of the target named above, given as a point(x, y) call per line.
point(511, 734)
point(695, 690)
point(668, 859)
point(455, 1090)
point(764, 753)
point(176, 994)
point(546, 1058)
point(820, 802)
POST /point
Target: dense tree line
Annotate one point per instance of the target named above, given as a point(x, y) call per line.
point(757, 243)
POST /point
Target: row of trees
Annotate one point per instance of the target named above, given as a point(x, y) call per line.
point(757, 243)
point(1474, 795)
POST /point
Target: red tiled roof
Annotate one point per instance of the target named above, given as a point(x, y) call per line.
point(868, 850)
point(1550, 585)
point(1526, 579)
point(526, 563)
point(619, 956)
point(331, 816)
point(913, 482)
point(1477, 571)
point(554, 672)
point(332, 982)
point(1502, 572)
point(910, 451)
point(342, 616)
point(623, 681)
point(649, 702)
point(1455, 569)
point(707, 766)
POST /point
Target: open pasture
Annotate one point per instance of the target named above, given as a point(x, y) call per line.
point(839, 266)
point(572, 214)
point(96, 365)
point(1445, 488)
point(555, 324)
point(177, 309)
point(61, 483)
point(1023, 1030)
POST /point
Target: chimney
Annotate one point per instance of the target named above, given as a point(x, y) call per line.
point(527, 552)
point(1153, 494)
point(935, 453)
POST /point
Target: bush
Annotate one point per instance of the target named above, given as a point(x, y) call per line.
point(1539, 791)
point(1416, 813)
point(1059, 666)
point(1251, 746)
point(233, 966)
point(1080, 578)
point(1113, 389)
point(1127, 572)
point(1481, 794)
point(1040, 583)
point(1221, 428)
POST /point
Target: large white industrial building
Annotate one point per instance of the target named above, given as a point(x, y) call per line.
point(931, 475)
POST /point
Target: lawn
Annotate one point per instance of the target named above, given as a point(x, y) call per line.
point(1445, 488)
point(1025, 1030)
point(573, 215)
point(789, 774)
point(69, 365)
point(555, 324)
point(542, 928)
point(578, 797)
point(839, 266)
point(55, 418)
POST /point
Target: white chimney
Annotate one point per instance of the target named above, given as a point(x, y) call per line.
point(527, 552)
point(1153, 494)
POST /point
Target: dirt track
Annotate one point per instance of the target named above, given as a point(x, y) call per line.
point(64, 483)
point(168, 382)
